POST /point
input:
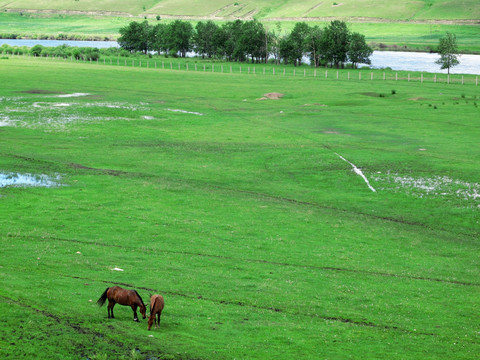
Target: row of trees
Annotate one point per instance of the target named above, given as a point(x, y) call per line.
point(249, 41)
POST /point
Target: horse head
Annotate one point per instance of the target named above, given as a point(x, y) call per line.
point(143, 310)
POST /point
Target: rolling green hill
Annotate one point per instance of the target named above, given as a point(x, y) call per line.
point(272, 9)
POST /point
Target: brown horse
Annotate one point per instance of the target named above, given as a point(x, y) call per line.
point(121, 296)
point(156, 306)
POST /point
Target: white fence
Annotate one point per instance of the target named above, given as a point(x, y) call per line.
point(277, 70)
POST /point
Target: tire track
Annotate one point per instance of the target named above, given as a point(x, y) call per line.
point(262, 261)
point(209, 187)
point(258, 307)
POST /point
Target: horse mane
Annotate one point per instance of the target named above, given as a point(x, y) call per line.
point(141, 300)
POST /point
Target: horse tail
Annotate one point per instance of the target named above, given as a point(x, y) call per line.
point(103, 298)
point(141, 301)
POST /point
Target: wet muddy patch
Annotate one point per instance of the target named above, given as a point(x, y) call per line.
point(185, 112)
point(434, 186)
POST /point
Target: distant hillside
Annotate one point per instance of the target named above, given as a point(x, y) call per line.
point(461, 11)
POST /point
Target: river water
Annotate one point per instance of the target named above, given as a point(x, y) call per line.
point(396, 60)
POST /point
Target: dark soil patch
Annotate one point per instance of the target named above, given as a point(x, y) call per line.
point(372, 94)
point(38, 91)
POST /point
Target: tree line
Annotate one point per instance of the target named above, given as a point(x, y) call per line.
point(244, 41)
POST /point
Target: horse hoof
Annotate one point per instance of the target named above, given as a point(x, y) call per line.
point(135, 320)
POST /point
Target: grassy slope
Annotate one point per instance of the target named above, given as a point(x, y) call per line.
point(264, 243)
point(378, 19)
point(382, 9)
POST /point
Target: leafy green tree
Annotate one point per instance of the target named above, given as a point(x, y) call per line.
point(448, 51)
point(204, 38)
point(136, 37)
point(286, 50)
point(36, 50)
point(335, 41)
point(253, 39)
point(299, 42)
point(358, 50)
point(274, 42)
point(314, 45)
point(179, 37)
point(159, 38)
point(231, 44)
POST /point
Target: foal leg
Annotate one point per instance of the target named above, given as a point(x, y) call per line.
point(157, 325)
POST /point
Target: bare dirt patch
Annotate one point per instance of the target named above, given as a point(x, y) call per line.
point(372, 94)
point(38, 91)
point(272, 96)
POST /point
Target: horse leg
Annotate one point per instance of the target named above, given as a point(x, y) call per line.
point(111, 304)
point(134, 308)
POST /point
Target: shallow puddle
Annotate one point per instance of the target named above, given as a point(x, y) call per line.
point(24, 180)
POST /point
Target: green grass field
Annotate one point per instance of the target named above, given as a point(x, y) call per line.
point(419, 36)
point(241, 212)
point(380, 9)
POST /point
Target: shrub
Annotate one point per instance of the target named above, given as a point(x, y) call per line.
point(394, 92)
point(36, 50)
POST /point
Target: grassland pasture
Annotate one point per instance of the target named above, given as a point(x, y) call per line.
point(239, 210)
point(379, 9)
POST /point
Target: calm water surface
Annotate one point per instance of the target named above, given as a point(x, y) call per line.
point(396, 60)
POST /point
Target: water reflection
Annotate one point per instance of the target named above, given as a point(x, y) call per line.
point(25, 180)
point(395, 60)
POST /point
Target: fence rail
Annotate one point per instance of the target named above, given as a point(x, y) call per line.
point(276, 70)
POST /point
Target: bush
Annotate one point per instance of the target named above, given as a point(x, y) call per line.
point(36, 50)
